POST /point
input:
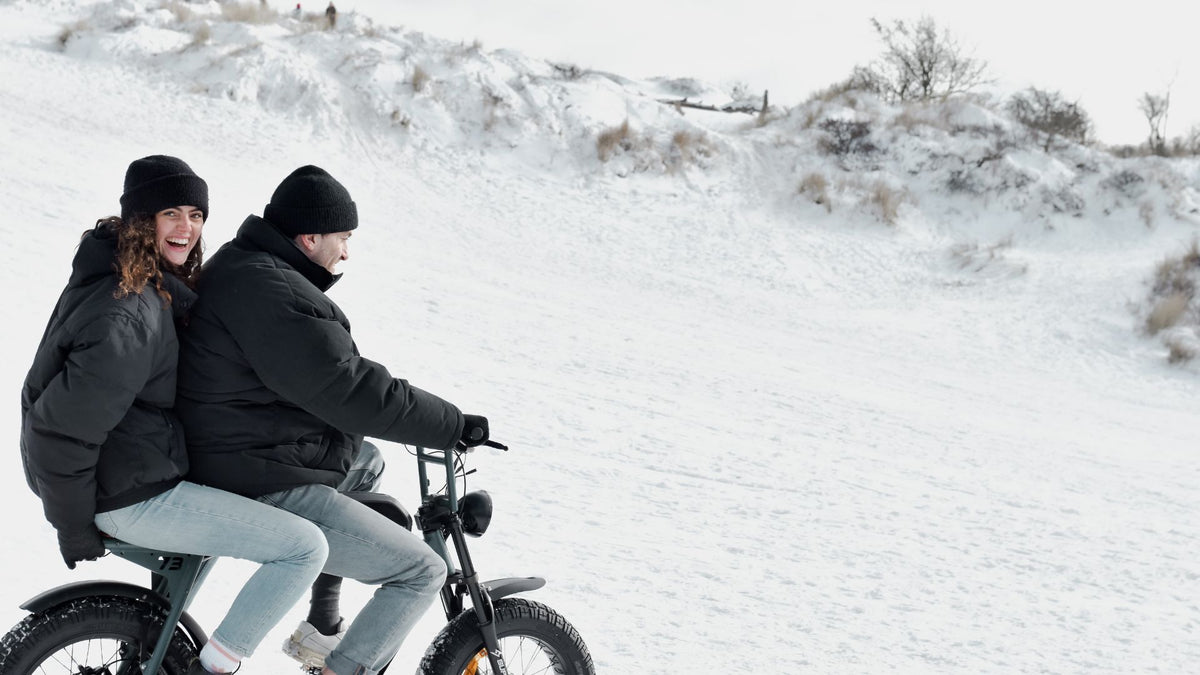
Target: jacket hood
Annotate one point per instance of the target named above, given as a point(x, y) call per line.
point(261, 234)
point(96, 258)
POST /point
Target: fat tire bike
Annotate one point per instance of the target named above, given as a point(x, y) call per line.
point(99, 627)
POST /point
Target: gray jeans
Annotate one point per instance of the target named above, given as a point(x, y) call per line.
point(367, 547)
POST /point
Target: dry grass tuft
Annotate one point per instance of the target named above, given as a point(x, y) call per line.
point(420, 79)
point(1174, 302)
point(1167, 312)
point(887, 200)
point(612, 139)
point(202, 35)
point(182, 12)
point(688, 147)
point(815, 186)
point(248, 13)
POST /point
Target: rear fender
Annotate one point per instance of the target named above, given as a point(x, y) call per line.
point(83, 589)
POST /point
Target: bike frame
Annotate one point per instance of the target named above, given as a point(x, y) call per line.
point(175, 577)
point(464, 580)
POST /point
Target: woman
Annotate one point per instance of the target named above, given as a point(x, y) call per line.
point(101, 445)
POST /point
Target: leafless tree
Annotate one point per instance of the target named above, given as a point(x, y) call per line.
point(1155, 109)
point(921, 63)
point(1048, 113)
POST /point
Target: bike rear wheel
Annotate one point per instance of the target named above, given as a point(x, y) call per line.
point(533, 639)
point(90, 636)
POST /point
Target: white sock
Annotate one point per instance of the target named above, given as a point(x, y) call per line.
point(217, 658)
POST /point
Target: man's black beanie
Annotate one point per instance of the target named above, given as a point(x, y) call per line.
point(158, 182)
point(310, 201)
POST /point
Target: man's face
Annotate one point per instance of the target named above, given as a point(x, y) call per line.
point(327, 250)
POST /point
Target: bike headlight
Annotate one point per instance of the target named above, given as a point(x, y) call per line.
point(475, 509)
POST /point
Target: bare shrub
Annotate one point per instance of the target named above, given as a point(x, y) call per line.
point(1049, 115)
point(567, 71)
point(909, 119)
point(846, 137)
point(816, 187)
point(1126, 181)
point(1180, 350)
point(1187, 145)
point(1178, 275)
point(1175, 305)
point(493, 105)
point(1146, 212)
point(419, 79)
point(69, 32)
point(919, 63)
point(989, 258)
point(248, 13)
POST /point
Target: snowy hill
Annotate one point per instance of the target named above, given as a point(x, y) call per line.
point(780, 396)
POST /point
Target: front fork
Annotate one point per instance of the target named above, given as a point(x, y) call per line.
point(467, 579)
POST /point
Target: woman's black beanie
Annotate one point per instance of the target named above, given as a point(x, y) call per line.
point(310, 201)
point(158, 182)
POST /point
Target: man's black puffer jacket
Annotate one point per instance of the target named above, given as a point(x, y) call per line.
point(97, 429)
point(273, 393)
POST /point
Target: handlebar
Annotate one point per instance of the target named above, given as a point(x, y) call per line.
point(447, 460)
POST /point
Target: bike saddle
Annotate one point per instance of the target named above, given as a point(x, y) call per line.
point(386, 505)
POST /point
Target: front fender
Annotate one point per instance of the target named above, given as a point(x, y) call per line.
point(54, 597)
point(501, 588)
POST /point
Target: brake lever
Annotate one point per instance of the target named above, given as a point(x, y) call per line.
point(464, 448)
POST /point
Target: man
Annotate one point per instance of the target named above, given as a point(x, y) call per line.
point(275, 399)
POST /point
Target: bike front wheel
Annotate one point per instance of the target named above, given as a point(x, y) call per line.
point(90, 635)
point(533, 639)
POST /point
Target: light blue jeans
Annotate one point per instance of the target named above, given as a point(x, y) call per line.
point(201, 520)
point(366, 546)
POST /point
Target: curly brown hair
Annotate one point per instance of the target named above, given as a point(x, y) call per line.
point(139, 261)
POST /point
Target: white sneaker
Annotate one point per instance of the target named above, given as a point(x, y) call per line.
point(309, 646)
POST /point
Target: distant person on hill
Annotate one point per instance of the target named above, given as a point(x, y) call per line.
point(331, 14)
point(275, 399)
point(100, 442)
point(296, 12)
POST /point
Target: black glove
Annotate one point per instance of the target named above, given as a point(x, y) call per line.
point(475, 430)
point(80, 545)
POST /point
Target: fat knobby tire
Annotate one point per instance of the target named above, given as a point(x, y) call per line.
point(460, 640)
point(24, 649)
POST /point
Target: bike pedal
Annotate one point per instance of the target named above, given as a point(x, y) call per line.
point(311, 670)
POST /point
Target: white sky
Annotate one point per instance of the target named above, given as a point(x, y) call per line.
point(1105, 58)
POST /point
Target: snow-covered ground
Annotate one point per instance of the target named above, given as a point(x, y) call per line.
point(914, 427)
